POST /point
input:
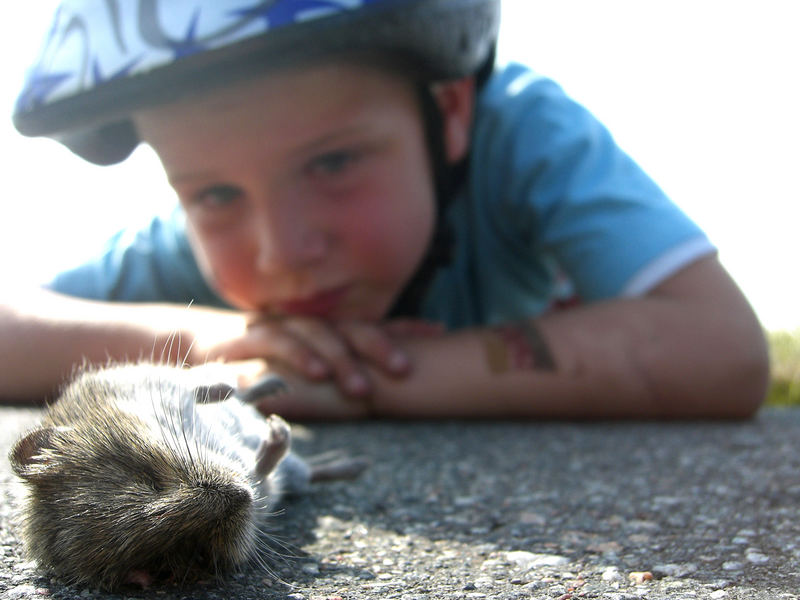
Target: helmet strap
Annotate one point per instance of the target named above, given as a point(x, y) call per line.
point(448, 179)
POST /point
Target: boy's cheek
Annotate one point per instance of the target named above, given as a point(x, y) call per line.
point(226, 272)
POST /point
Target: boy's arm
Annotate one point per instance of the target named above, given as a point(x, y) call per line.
point(691, 348)
point(44, 335)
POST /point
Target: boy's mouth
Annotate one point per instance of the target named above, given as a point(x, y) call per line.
point(322, 304)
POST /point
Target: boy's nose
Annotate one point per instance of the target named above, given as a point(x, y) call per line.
point(286, 240)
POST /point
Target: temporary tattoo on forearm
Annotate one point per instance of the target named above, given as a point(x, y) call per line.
point(517, 347)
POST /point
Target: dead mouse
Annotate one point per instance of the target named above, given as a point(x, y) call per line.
point(141, 473)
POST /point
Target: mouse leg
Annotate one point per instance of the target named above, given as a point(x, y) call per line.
point(274, 446)
point(338, 467)
point(297, 475)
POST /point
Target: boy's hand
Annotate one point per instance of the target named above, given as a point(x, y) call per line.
point(320, 350)
point(305, 399)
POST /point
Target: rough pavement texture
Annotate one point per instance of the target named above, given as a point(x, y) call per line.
point(508, 510)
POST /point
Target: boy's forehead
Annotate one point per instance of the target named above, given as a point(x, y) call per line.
point(318, 83)
point(286, 113)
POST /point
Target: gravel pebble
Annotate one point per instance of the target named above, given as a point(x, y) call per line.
point(532, 560)
point(611, 574)
point(754, 556)
point(21, 591)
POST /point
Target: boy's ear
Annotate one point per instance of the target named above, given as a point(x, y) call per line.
point(456, 100)
point(27, 458)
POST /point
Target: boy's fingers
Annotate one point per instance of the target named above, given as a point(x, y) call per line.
point(318, 349)
point(376, 345)
point(332, 347)
point(313, 399)
point(273, 340)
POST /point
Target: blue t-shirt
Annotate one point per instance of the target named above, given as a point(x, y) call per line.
point(553, 212)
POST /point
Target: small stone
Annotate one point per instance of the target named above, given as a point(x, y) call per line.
point(718, 594)
point(605, 547)
point(740, 540)
point(568, 575)
point(534, 585)
point(732, 565)
point(756, 557)
point(491, 563)
point(465, 501)
point(640, 577)
point(611, 574)
point(674, 570)
point(532, 518)
point(21, 591)
point(531, 560)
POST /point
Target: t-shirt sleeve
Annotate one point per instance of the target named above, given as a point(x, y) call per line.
point(150, 264)
point(562, 187)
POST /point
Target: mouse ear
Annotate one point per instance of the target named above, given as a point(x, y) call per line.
point(28, 457)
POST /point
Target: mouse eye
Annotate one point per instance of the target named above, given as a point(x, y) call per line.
point(151, 484)
point(149, 479)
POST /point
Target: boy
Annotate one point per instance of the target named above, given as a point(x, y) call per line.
point(393, 226)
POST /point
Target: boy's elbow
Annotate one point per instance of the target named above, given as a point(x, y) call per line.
point(747, 375)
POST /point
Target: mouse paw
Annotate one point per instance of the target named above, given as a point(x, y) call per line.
point(274, 446)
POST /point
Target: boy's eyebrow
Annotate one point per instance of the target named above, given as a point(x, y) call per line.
point(331, 138)
point(180, 178)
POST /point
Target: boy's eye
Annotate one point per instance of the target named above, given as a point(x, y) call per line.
point(332, 163)
point(217, 196)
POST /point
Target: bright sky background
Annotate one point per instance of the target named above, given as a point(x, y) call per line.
point(704, 94)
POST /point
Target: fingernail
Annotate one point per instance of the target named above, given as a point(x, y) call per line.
point(356, 383)
point(316, 368)
point(398, 361)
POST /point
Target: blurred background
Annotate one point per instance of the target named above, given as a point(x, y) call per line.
point(704, 95)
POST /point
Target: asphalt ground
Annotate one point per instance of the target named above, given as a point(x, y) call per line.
point(473, 510)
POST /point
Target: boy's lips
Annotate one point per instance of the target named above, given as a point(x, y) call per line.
point(321, 304)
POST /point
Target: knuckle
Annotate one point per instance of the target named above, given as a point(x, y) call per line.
point(369, 340)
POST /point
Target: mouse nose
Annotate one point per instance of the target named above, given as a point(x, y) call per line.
point(225, 499)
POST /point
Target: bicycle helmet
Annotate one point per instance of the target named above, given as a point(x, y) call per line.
point(104, 59)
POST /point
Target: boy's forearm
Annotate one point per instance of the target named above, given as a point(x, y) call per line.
point(604, 365)
point(44, 335)
point(468, 374)
point(674, 354)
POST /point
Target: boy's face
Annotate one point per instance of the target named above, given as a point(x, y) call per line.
point(307, 192)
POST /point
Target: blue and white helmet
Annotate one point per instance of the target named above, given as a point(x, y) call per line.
point(104, 59)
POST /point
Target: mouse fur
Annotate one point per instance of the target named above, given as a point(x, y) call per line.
point(140, 473)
